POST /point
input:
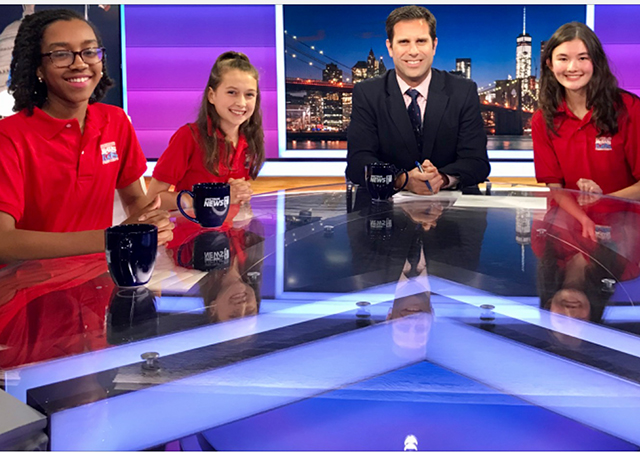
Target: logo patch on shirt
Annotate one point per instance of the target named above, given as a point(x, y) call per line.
point(109, 152)
point(603, 143)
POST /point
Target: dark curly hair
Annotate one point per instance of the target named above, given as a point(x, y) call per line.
point(25, 87)
point(603, 94)
point(209, 121)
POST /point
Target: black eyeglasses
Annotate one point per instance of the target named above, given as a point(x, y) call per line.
point(65, 58)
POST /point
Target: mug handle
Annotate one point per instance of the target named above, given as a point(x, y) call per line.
point(406, 180)
point(186, 215)
point(179, 258)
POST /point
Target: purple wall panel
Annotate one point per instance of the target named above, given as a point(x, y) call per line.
point(171, 109)
point(624, 60)
point(213, 25)
point(617, 24)
point(144, 61)
point(170, 50)
point(617, 27)
point(159, 139)
point(163, 110)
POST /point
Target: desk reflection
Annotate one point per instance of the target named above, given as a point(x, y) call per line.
point(232, 258)
point(577, 275)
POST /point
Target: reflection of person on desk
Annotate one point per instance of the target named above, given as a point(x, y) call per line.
point(230, 289)
point(57, 308)
point(571, 268)
point(417, 114)
point(450, 239)
point(413, 301)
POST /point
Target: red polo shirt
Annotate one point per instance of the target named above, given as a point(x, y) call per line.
point(182, 163)
point(577, 152)
point(55, 178)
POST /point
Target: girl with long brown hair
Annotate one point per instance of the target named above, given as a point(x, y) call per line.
point(587, 131)
point(225, 144)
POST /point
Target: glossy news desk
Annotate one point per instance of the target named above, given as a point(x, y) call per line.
point(316, 320)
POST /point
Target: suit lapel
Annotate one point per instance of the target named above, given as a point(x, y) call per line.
point(399, 115)
point(436, 105)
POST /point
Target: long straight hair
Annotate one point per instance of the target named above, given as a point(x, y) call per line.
point(208, 121)
point(603, 94)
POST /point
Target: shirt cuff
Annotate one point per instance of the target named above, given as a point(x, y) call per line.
point(453, 181)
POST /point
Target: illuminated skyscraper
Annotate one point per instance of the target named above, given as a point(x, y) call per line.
point(523, 50)
point(381, 67)
point(463, 67)
point(331, 73)
point(359, 71)
point(372, 65)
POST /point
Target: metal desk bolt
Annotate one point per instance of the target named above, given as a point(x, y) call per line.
point(608, 285)
point(363, 309)
point(486, 312)
point(151, 361)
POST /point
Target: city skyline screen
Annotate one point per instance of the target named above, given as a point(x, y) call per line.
point(329, 48)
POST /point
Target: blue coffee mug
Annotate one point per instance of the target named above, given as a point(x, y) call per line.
point(380, 178)
point(131, 253)
point(210, 203)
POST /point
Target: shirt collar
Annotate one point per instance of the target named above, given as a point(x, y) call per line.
point(422, 88)
point(49, 127)
point(564, 109)
point(242, 141)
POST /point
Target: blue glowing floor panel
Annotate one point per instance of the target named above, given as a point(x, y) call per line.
point(441, 409)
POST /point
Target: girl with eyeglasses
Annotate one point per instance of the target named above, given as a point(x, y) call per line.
point(63, 154)
point(225, 144)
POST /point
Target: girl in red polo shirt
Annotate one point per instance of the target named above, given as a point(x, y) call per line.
point(63, 154)
point(586, 134)
point(225, 144)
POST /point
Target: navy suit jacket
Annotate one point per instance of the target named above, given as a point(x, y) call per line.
point(453, 131)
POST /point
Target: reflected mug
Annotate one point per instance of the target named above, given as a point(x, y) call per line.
point(380, 221)
point(131, 253)
point(380, 178)
point(211, 251)
point(210, 203)
point(132, 315)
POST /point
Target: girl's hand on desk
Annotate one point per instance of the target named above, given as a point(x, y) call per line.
point(589, 186)
point(151, 214)
point(240, 191)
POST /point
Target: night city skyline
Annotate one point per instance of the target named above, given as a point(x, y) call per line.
point(486, 34)
point(328, 49)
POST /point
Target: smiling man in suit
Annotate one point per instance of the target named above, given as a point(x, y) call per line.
point(416, 113)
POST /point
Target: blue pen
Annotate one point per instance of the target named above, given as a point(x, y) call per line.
point(422, 171)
